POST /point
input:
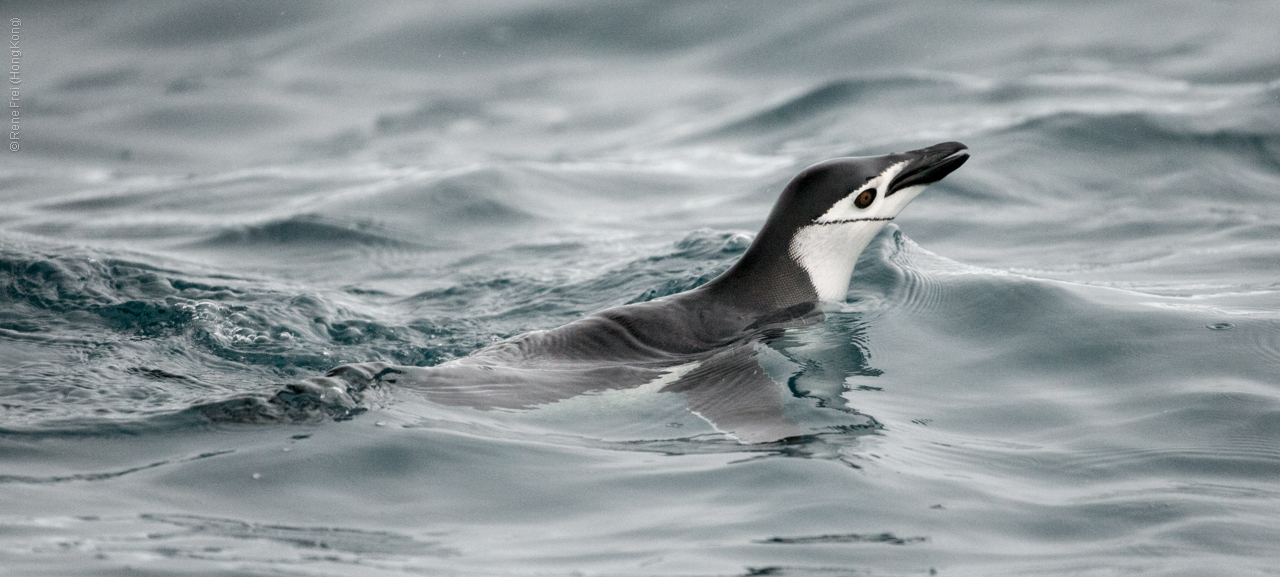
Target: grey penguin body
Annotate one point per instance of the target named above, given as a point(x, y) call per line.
point(802, 256)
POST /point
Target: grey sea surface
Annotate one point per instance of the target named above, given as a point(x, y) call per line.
point(1064, 359)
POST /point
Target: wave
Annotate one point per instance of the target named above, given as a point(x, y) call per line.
point(798, 112)
point(1127, 133)
point(231, 22)
point(73, 279)
point(309, 401)
point(101, 339)
point(437, 211)
point(646, 27)
point(305, 231)
point(323, 540)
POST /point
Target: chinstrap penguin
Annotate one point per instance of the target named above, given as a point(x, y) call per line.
point(804, 255)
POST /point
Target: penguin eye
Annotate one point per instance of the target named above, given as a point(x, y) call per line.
point(865, 198)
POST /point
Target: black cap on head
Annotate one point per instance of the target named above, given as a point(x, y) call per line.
point(819, 187)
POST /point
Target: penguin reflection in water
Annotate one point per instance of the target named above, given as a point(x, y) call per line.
point(700, 343)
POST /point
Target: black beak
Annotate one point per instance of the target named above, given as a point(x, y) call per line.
point(929, 165)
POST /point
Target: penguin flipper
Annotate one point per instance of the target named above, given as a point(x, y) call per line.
point(734, 393)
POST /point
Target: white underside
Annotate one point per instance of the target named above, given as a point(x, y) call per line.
point(828, 253)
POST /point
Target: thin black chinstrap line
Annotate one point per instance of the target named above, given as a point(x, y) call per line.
point(854, 220)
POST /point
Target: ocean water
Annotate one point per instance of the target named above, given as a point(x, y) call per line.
point(1064, 359)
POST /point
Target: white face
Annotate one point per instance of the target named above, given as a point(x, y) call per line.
point(829, 248)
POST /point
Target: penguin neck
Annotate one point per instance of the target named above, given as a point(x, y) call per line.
point(811, 265)
point(766, 279)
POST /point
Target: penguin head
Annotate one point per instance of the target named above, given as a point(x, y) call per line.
point(832, 210)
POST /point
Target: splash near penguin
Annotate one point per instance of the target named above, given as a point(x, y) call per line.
point(699, 343)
